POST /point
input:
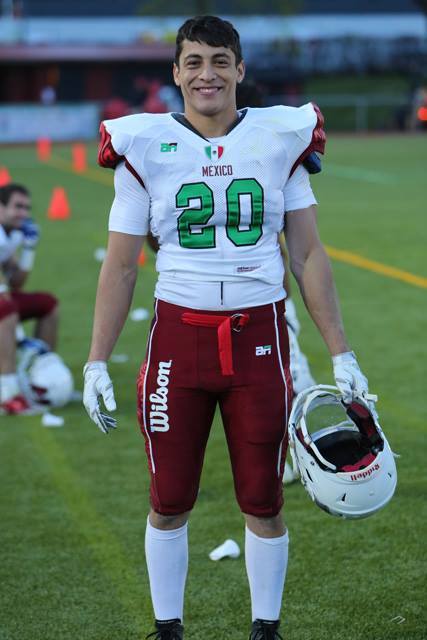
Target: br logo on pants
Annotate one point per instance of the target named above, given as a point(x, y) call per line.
point(264, 350)
point(159, 419)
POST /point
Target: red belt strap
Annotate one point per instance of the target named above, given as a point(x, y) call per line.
point(224, 324)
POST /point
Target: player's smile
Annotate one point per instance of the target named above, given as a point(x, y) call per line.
point(207, 91)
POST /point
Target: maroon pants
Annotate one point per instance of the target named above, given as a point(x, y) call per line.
point(27, 305)
point(241, 365)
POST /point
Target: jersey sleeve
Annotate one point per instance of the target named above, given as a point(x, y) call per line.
point(130, 211)
point(297, 192)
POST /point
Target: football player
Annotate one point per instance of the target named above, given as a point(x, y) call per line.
point(19, 236)
point(216, 186)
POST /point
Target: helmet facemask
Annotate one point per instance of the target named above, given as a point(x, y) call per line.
point(337, 448)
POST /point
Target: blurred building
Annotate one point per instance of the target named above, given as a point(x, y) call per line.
point(118, 54)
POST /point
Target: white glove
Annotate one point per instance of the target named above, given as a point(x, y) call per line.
point(348, 377)
point(97, 383)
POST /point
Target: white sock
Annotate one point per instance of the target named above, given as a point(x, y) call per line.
point(9, 386)
point(266, 563)
point(291, 315)
point(166, 553)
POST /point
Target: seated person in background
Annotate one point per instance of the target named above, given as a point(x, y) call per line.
point(19, 236)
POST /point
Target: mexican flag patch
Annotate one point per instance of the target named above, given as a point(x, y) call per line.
point(214, 152)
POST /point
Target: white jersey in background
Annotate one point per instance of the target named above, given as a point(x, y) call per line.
point(9, 243)
point(216, 206)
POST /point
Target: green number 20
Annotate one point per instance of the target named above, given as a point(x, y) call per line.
point(203, 237)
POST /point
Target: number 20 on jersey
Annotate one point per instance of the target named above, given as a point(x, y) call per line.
point(204, 236)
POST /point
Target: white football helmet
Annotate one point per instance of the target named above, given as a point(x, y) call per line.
point(343, 457)
point(43, 376)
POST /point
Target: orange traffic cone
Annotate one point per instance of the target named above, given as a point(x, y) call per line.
point(78, 151)
point(142, 258)
point(4, 177)
point(44, 148)
point(59, 208)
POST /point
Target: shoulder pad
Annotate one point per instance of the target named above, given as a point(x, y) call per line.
point(304, 124)
point(316, 144)
point(284, 119)
point(107, 156)
point(117, 136)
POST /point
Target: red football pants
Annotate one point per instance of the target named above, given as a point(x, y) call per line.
point(27, 305)
point(187, 371)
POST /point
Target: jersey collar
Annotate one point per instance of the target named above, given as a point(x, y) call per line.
point(180, 117)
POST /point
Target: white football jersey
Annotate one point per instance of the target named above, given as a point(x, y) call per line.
point(9, 243)
point(217, 206)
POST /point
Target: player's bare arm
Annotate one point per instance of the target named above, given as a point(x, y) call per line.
point(311, 267)
point(114, 294)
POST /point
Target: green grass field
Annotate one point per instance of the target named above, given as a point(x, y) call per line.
point(74, 502)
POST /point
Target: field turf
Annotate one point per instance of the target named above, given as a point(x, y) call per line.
point(74, 502)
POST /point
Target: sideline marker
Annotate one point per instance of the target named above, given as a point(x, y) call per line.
point(59, 208)
point(44, 149)
point(142, 258)
point(4, 177)
point(78, 152)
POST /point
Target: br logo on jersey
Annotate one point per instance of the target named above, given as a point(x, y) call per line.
point(167, 147)
point(214, 152)
point(159, 419)
point(264, 350)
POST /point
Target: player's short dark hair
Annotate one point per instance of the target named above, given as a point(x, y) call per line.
point(210, 30)
point(8, 190)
